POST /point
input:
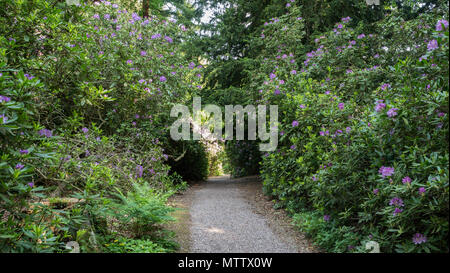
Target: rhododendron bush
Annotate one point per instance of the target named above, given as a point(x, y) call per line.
point(86, 92)
point(363, 153)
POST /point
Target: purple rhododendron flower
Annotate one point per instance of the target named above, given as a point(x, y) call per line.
point(380, 106)
point(386, 171)
point(392, 112)
point(326, 217)
point(432, 45)
point(85, 130)
point(341, 106)
point(19, 166)
point(422, 190)
point(406, 180)
point(375, 191)
point(24, 152)
point(419, 238)
point(397, 211)
point(45, 132)
point(385, 86)
point(135, 16)
point(4, 99)
point(139, 171)
point(277, 92)
point(156, 36)
point(168, 39)
point(440, 23)
point(295, 123)
point(31, 184)
point(162, 79)
point(398, 202)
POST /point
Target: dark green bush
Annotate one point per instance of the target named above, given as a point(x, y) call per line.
point(242, 157)
point(191, 162)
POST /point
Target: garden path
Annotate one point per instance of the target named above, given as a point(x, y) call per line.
point(224, 215)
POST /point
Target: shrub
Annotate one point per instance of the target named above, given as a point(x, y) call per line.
point(242, 157)
point(364, 133)
point(141, 208)
point(85, 94)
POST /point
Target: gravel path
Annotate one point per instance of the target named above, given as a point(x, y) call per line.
point(228, 215)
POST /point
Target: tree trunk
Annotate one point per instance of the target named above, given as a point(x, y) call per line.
point(145, 7)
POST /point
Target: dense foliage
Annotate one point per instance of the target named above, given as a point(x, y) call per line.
point(363, 100)
point(363, 131)
point(86, 92)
